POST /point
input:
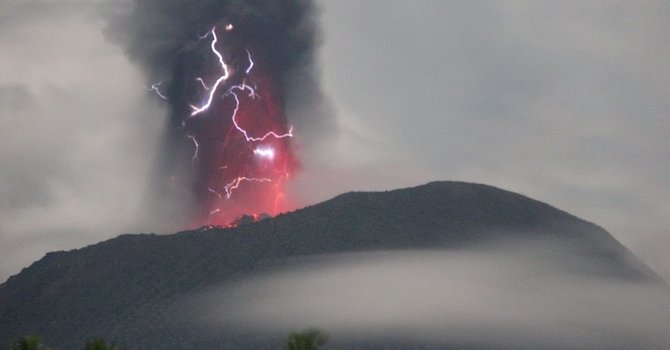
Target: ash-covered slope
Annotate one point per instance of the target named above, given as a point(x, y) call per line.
point(125, 288)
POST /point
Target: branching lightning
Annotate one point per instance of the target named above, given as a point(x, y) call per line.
point(241, 87)
point(244, 132)
point(222, 78)
point(225, 163)
point(155, 88)
point(236, 183)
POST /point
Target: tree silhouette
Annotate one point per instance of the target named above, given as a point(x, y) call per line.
point(31, 342)
point(309, 339)
point(99, 344)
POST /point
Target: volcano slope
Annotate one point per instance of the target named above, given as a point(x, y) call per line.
point(127, 288)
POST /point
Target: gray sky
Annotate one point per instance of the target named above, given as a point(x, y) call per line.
point(565, 102)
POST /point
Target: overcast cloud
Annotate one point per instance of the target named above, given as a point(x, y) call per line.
point(77, 137)
point(563, 101)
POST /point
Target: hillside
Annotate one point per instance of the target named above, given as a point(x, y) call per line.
point(126, 288)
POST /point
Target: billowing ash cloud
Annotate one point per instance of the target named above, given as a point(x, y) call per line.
point(240, 80)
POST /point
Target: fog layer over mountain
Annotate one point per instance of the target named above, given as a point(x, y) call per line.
point(513, 294)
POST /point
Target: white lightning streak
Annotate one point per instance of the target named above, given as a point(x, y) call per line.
point(203, 83)
point(217, 53)
point(213, 191)
point(198, 110)
point(155, 86)
point(236, 183)
point(240, 129)
point(197, 148)
point(252, 92)
point(251, 62)
point(202, 37)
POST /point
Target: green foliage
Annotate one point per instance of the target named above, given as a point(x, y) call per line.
point(31, 342)
point(99, 344)
point(309, 339)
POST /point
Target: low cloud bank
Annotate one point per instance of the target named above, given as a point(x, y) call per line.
point(512, 295)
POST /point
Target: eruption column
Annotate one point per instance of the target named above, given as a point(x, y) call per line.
point(231, 148)
point(226, 69)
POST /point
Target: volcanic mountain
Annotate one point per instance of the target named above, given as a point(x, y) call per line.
point(127, 288)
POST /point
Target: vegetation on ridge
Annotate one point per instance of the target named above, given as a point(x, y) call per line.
point(309, 339)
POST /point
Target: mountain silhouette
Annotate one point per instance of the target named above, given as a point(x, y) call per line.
point(126, 288)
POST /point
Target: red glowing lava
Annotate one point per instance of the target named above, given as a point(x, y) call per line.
point(242, 142)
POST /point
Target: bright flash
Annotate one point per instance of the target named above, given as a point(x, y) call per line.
point(229, 27)
point(265, 152)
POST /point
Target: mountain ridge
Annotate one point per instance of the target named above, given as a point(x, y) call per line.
point(131, 278)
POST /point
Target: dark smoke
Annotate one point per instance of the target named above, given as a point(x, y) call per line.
point(161, 37)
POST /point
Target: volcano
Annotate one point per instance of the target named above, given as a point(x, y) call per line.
point(129, 287)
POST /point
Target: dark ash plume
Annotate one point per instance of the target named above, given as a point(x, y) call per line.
point(164, 39)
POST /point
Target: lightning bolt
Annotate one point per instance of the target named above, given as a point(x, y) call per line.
point(221, 86)
point(213, 191)
point(222, 78)
point(251, 62)
point(202, 82)
point(240, 129)
point(236, 183)
point(241, 87)
point(155, 86)
point(197, 148)
point(252, 92)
